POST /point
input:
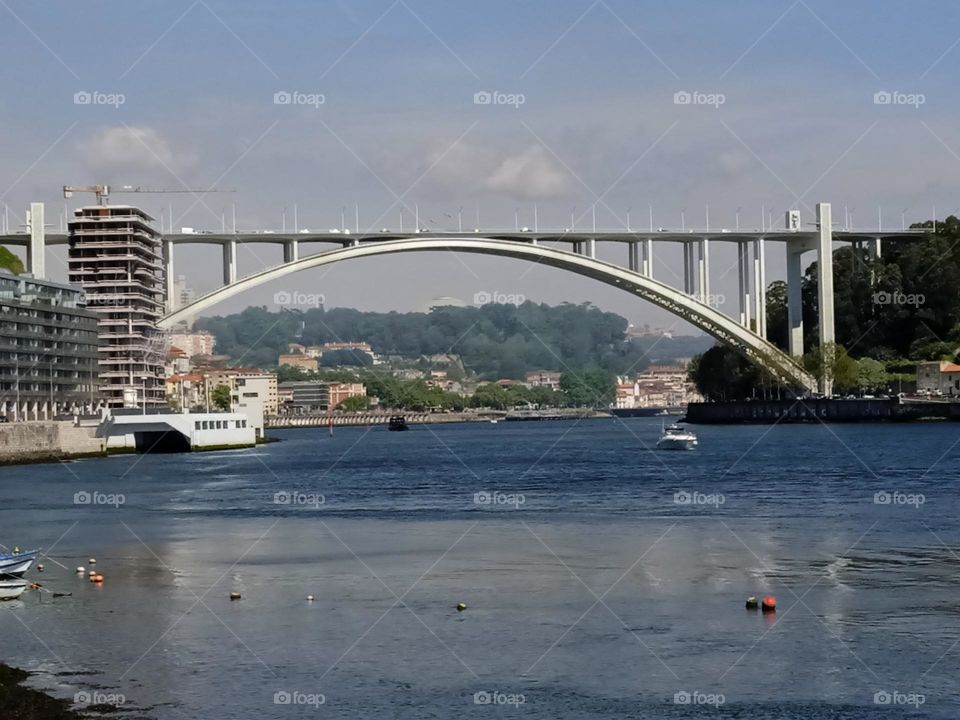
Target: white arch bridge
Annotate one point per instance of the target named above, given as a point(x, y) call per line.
point(746, 333)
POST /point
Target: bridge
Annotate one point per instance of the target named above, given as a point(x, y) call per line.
point(574, 251)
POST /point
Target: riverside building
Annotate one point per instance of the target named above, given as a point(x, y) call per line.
point(48, 350)
point(115, 256)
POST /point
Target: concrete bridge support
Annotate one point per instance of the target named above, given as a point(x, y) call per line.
point(291, 251)
point(36, 251)
point(229, 262)
point(794, 299)
point(743, 281)
point(689, 278)
point(169, 280)
point(760, 287)
point(704, 269)
point(825, 286)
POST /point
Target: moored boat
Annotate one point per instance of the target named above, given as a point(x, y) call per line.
point(675, 437)
point(398, 423)
point(12, 589)
point(15, 564)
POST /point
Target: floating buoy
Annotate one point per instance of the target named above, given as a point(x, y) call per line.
point(97, 579)
point(39, 568)
point(769, 603)
point(752, 603)
point(309, 598)
point(92, 573)
point(461, 607)
point(35, 586)
point(81, 570)
point(234, 596)
point(92, 561)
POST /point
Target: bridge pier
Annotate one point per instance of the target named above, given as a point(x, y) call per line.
point(704, 268)
point(794, 299)
point(229, 262)
point(760, 287)
point(169, 279)
point(689, 279)
point(633, 255)
point(36, 251)
point(291, 251)
point(743, 281)
point(825, 286)
point(592, 248)
point(648, 257)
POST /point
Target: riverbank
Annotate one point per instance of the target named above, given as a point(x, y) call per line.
point(821, 410)
point(24, 703)
point(24, 443)
point(363, 418)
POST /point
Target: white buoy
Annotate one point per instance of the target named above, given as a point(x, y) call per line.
point(92, 561)
point(81, 570)
point(309, 598)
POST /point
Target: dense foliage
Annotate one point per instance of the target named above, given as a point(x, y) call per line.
point(493, 341)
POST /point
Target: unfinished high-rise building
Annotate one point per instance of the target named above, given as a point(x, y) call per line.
point(116, 256)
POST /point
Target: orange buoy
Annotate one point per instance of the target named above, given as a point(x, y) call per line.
point(769, 603)
point(234, 596)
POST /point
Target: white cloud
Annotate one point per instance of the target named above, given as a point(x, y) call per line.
point(531, 175)
point(134, 150)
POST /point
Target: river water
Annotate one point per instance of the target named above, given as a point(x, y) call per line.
point(601, 578)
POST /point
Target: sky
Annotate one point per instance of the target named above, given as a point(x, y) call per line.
point(384, 116)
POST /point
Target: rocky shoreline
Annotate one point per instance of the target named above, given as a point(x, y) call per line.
point(19, 702)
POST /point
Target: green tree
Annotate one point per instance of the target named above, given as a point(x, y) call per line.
point(833, 363)
point(872, 375)
point(355, 402)
point(9, 261)
point(221, 397)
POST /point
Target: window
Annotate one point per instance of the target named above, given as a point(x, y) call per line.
point(197, 425)
point(205, 425)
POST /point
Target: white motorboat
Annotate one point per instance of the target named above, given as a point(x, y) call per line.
point(15, 564)
point(12, 589)
point(675, 437)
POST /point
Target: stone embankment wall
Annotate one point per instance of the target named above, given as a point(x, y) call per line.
point(42, 441)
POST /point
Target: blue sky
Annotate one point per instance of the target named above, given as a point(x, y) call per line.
point(798, 123)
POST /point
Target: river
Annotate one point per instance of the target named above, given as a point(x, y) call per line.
point(600, 578)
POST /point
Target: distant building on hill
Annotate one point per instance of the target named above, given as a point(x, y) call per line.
point(194, 343)
point(542, 378)
point(297, 360)
point(341, 391)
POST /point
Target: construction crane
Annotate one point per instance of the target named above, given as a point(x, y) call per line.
point(103, 191)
